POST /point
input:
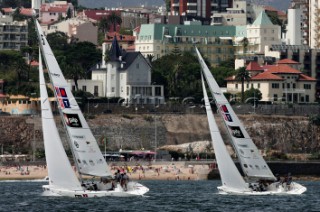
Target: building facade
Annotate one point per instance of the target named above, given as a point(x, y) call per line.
point(126, 75)
point(215, 42)
point(75, 28)
point(13, 34)
point(52, 12)
point(278, 83)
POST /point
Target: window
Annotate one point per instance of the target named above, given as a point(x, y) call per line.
point(258, 85)
point(96, 90)
point(112, 89)
point(247, 85)
point(288, 85)
point(307, 86)
point(275, 85)
point(84, 88)
point(236, 86)
point(275, 97)
point(307, 98)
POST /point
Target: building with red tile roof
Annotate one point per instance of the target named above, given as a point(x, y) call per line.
point(277, 83)
point(52, 12)
point(126, 42)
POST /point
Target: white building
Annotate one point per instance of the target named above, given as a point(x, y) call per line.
point(294, 27)
point(278, 83)
point(260, 36)
point(126, 75)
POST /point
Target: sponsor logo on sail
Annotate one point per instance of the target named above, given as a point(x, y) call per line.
point(72, 120)
point(62, 97)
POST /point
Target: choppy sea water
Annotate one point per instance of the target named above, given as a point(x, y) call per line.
point(163, 196)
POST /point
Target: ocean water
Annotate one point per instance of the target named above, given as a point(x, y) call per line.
point(163, 196)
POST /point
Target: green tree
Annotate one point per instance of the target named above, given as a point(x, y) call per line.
point(252, 95)
point(220, 73)
point(114, 19)
point(180, 75)
point(73, 71)
point(17, 16)
point(21, 68)
point(69, 13)
point(242, 75)
point(103, 25)
point(58, 41)
point(245, 44)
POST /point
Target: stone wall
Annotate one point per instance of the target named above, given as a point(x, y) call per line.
point(136, 131)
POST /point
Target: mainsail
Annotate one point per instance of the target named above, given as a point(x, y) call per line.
point(60, 171)
point(230, 176)
point(88, 157)
point(252, 163)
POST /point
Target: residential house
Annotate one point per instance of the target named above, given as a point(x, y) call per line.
point(126, 75)
point(279, 83)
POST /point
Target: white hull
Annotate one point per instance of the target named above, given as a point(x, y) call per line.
point(272, 189)
point(134, 189)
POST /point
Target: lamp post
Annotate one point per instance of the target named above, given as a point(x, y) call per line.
point(155, 138)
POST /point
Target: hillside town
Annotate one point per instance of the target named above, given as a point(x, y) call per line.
point(141, 59)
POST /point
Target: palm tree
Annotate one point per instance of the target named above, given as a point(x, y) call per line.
point(103, 25)
point(74, 71)
point(114, 19)
point(242, 75)
point(245, 43)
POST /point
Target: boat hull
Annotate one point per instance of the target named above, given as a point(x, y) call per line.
point(134, 189)
point(273, 189)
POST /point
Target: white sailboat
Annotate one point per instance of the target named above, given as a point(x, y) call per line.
point(87, 156)
point(259, 179)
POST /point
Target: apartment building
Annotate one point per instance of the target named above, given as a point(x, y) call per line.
point(215, 42)
point(198, 9)
point(13, 34)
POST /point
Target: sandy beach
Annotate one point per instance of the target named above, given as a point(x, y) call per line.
point(170, 171)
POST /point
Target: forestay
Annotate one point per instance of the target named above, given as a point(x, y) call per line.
point(230, 176)
point(82, 142)
point(59, 168)
point(252, 163)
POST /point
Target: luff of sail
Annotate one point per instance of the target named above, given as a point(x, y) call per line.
point(88, 156)
point(252, 163)
point(230, 176)
point(60, 171)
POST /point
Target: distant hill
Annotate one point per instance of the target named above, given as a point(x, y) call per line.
point(119, 3)
point(278, 4)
